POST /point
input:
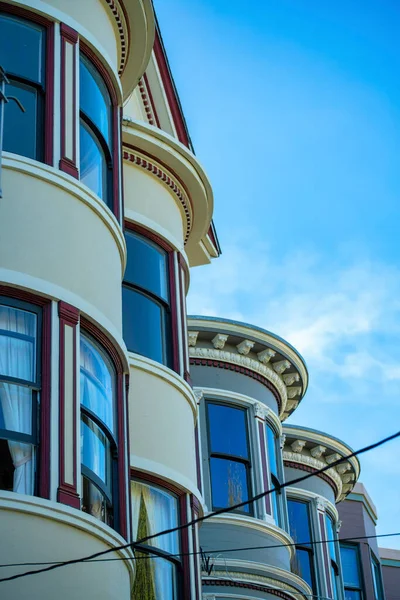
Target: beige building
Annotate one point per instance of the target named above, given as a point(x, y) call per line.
point(119, 418)
point(100, 187)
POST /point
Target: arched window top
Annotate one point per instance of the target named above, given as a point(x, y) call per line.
point(97, 382)
point(95, 101)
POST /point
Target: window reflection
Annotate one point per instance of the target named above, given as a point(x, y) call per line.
point(146, 309)
point(22, 55)
point(300, 530)
point(156, 574)
point(351, 570)
point(229, 456)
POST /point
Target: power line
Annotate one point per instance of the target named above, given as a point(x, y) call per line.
point(213, 551)
point(205, 517)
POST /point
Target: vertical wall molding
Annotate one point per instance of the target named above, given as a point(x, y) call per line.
point(326, 557)
point(264, 463)
point(67, 489)
point(69, 44)
point(182, 297)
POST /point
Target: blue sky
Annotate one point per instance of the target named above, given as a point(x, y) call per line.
point(294, 110)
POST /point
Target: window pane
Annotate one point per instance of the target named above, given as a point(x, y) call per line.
point(94, 502)
point(350, 566)
point(272, 441)
point(228, 430)
point(352, 595)
point(15, 408)
point(228, 483)
point(94, 98)
point(376, 575)
point(147, 265)
point(153, 510)
point(97, 383)
point(21, 134)
point(302, 565)
point(17, 343)
point(17, 467)
point(330, 535)
point(21, 48)
point(144, 326)
point(95, 450)
point(299, 522)
point(93, 171)
point(155, 578)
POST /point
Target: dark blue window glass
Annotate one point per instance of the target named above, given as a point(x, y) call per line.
point(228, 483)
point(350, 565)
point(376, 576)
point(300, 530)
point(143, 324)
point(147, 265)
point(20, 132)
point(229, 456)
point(145, 300)
point(22, 55)
point(299, 521)
point(330, 536)
point(22, 48)
point(228, 430)
point(94, 99)
point(302, 565)
point(349, 556)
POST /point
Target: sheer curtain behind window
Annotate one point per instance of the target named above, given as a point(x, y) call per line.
point(17, 360)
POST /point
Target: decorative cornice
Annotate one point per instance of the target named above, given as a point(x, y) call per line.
point(155, 169)
point(247, 585)
point(265, 355)
point(293, 459)
point(192, 338)
point(244, 361)
point(219, 340)
point(122, 30)
point(244, 347)
point(147, 102)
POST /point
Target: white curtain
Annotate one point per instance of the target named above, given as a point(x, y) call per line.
point(97, 383)
point(17, 360)
point(162, 513)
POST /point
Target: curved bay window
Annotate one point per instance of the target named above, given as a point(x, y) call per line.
point(158, 564)
point(273, 453)
point(146, 300)
point(332, 553)
point(300, 530)
point(22, 56)
point(229, 456)
point(19, 394)
point(95, 134)
point(98, 437)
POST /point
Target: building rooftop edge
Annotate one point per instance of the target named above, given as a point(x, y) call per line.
point(250, 326)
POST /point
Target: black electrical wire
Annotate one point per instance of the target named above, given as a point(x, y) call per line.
point(209, 552)
point(205, 517)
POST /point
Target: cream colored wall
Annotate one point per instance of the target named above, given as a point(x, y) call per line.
point(96, 17)
point(134, 107)
point(36, 530)
point(54, 229)
point(161, 423)
point(146, 195)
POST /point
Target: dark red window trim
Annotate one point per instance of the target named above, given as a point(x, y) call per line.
point(45, 398)
point(67, 493)
point(170, 90)
point(122, 420)
point(49, 74)
point(183, 271)
point(182, 499)
point(264, 464)
point(116, 125)
point(66, 164)
point(150, 235)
